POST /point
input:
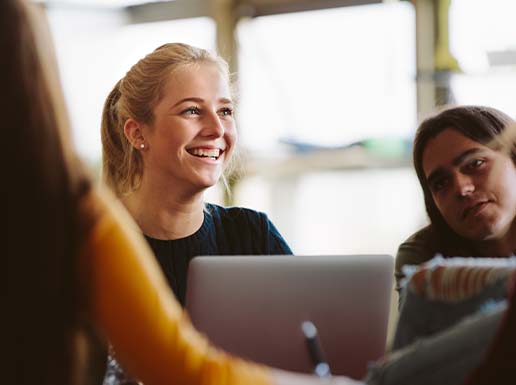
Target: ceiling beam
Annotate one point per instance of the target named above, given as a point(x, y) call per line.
point(168, 10)
point(182, 9)
point(255, 8)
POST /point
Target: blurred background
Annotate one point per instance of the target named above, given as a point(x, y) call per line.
point(330, 93)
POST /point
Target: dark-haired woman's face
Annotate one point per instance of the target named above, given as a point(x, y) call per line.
point(473, 186)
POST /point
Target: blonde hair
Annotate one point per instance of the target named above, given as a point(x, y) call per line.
point(134, 96)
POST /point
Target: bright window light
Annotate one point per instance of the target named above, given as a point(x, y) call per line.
point(480, 32)
point(328, 77)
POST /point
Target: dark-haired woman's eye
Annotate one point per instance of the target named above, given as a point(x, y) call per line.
point(438, 185)
point(474, 164)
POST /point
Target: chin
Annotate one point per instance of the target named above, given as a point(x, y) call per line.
point(485, 233)
point(484, 228)
point(206, 183)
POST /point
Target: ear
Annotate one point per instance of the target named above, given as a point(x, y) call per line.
point(134, 134)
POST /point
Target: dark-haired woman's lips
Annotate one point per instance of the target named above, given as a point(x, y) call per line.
point(475, 209)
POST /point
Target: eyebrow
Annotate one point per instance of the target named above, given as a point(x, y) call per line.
point(457, 161)
point(200, 100)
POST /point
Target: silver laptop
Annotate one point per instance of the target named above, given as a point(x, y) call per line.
point(253, 306)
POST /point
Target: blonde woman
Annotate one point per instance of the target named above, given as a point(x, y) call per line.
point(168, 134)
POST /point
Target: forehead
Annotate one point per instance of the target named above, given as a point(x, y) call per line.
point(444, 148)
point(202, 79)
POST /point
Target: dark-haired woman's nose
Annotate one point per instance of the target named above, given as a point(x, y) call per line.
point(464, 185)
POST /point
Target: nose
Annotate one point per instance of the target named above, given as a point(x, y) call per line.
point(464, 185)
point(213, 126)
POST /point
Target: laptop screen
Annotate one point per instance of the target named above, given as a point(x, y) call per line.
point(254, 306)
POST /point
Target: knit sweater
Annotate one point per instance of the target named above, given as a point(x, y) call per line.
point(224, 231)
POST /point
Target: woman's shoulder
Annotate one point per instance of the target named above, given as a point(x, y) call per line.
point(424, 237)
point(249, 227)
point(419, 247)
point(424, 244)
point(430, 241)
point(236, 213)
point(240, 220)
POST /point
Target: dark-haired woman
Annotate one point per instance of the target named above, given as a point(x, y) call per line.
point(465, 159)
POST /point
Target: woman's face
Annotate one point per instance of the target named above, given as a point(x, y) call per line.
point(193, 134)
point(473, 186)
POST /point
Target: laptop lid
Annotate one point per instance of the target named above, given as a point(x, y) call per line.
point(253, 306)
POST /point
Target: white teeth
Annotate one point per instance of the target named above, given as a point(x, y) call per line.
point(212, 153)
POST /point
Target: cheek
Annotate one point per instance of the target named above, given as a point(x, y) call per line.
point(228, 155)
point(231, 136)
point(444, 207)
point(509, 193)
point(503, 182)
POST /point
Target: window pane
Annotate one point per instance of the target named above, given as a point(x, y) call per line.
point(481, 31)
point(328, 77)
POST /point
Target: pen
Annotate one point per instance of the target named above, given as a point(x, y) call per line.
point(321, 366)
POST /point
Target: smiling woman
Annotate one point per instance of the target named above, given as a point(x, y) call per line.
point(466, 164)
point(168, 134)
point(191, 137)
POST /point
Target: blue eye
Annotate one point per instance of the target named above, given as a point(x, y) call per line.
point(192, 111)
point(226, 112)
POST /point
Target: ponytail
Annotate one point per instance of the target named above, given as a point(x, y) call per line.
point(121, 165)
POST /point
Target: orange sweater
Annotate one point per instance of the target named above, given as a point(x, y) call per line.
point(136, 311)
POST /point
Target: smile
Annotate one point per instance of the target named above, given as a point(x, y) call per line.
point(475, 209)
point(212, 153)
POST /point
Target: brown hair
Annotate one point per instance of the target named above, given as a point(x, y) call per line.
point(485, 125)
point(134, 96)
point(47, 183)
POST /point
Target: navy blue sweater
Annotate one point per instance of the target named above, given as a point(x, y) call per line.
point(225, 231)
